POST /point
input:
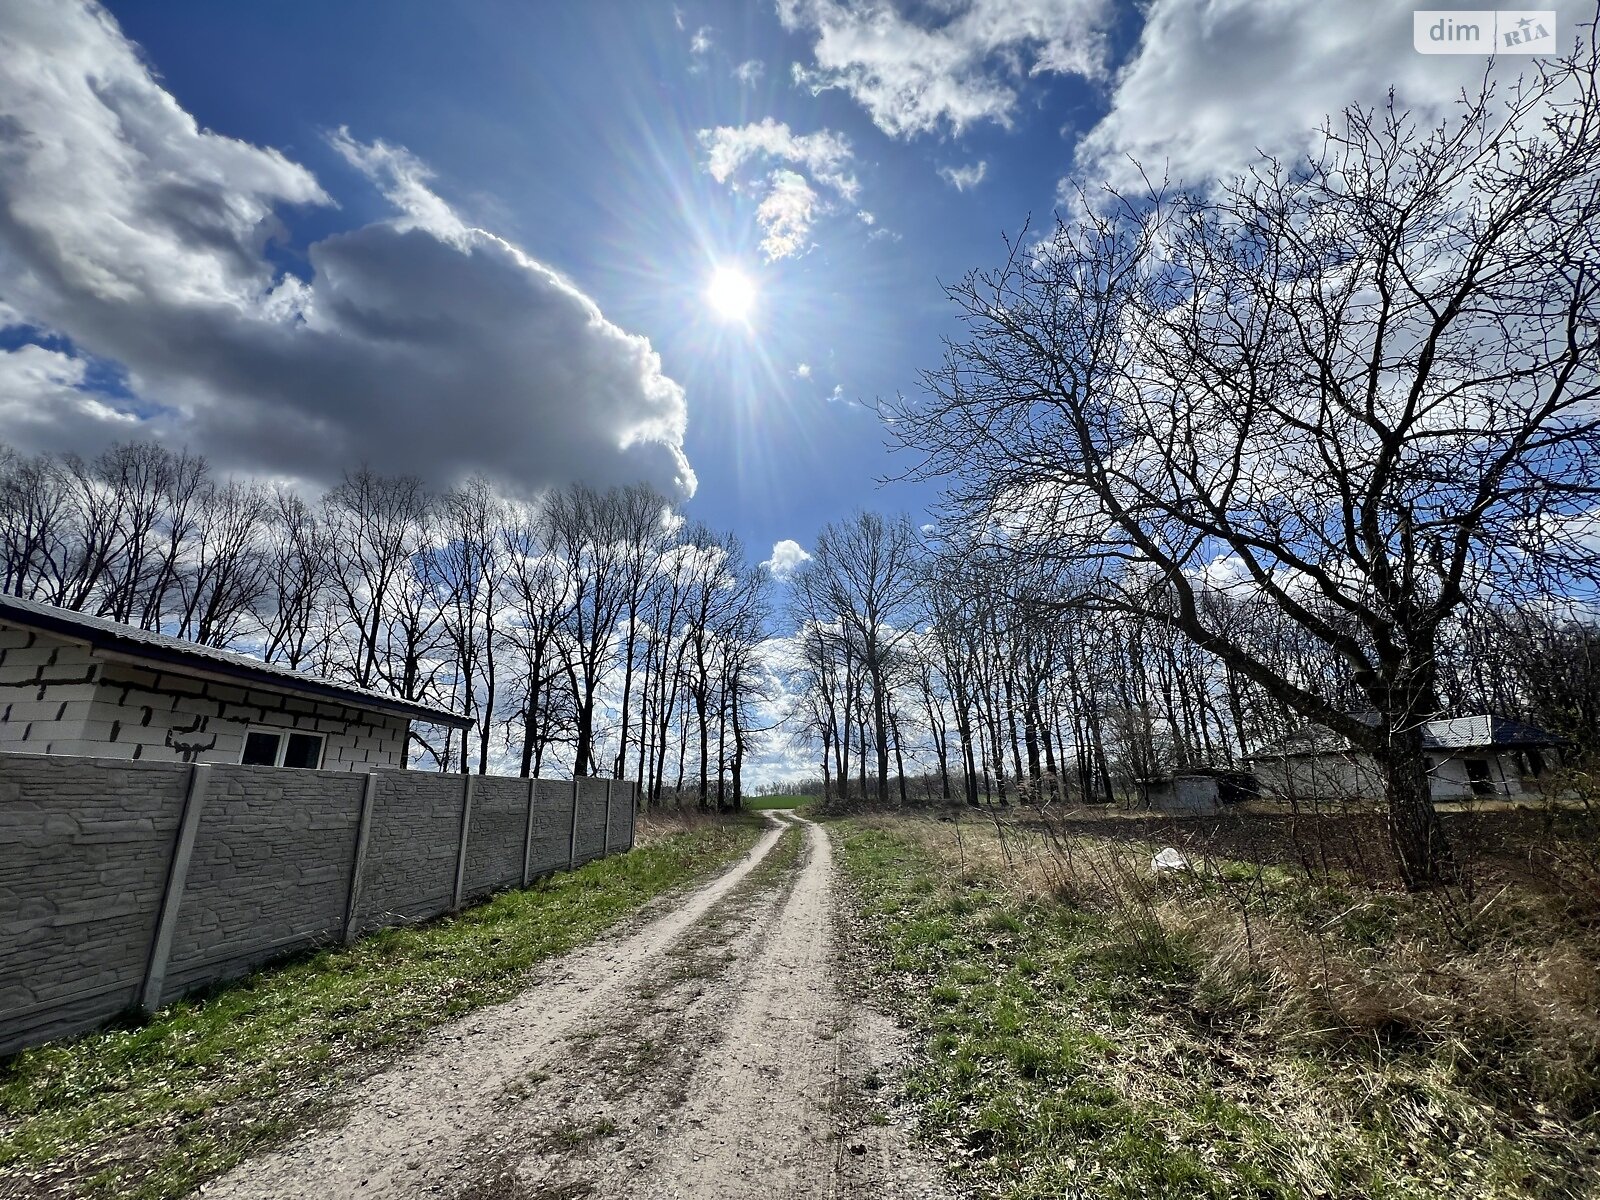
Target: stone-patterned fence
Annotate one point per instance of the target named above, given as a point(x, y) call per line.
point(124, 885)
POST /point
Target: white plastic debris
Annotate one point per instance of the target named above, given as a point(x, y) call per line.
point(1169, 860)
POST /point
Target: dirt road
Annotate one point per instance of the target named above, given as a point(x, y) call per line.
point(714, 1050)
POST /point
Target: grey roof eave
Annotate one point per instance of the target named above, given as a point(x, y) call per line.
point(140, 646)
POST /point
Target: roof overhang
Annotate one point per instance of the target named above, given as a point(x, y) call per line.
point(112, 648)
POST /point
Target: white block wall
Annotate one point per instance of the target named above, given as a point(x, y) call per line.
point(1355, 776)
point(47, 687)
point(57, 698)
point(1448, 777)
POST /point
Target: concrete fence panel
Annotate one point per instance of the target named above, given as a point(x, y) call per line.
point(411, 849)
point(84, 853)
point(551, 812)
point(269, 872)
point(591, 819)
point(495, 839)
point(125, 885)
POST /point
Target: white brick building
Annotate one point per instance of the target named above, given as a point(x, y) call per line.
point(1467, 757)
point(76, 684)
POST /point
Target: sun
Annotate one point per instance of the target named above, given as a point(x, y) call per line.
point(731, 294)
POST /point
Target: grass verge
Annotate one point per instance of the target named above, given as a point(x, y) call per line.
point(153, 1111)
point(1071, 1047)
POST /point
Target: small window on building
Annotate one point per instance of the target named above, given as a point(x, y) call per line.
point(1478, 776)
point(304, 750)
point(261, 749)
point(265, 748)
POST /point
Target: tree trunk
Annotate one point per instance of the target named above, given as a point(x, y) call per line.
point(1421, 850)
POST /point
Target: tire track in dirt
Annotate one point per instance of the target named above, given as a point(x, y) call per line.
point(709, 1052)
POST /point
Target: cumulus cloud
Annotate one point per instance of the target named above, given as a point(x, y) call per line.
point(39, 383)
point(750, 71)
point(786, 556)
point(700, 43)
point(1213, 81)
point(802, 370)
point(969, 176)
point(792, 194)
point(421, 344)
point(916, 77)
point(825, 155)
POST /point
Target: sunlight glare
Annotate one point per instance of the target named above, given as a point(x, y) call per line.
point(731, 294)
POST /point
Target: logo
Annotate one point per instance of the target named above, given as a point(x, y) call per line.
point(1484, 31)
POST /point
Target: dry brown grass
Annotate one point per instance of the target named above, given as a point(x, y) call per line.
point(1499, 984)
point(663, 822)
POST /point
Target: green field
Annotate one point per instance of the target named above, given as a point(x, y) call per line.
point(766, 803)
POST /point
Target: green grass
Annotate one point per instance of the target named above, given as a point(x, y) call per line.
point(765, 803)
point(1062, 1054)
point(153, 1111)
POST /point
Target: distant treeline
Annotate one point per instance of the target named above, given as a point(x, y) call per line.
point(589, 630)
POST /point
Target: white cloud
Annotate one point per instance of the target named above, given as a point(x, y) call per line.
point(750, 71)
point(786, 213)
point(775, 756)
point(786, 556)
point(969, 176)
point(790, 200)
point(40, 383)
point(825, 155)
point(802, 370)
point(418, 344)
point(701, 42)
point(404, 181)
point(1213, 81)
point(912, 78)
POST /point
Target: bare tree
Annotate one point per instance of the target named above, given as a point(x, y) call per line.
point(864, 570)
point(293, 624)
point(1363, 385)
point(376, 523)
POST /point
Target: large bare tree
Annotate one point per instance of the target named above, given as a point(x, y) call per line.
point(1356, 388)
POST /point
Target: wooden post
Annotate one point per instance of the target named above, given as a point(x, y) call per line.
point(527, 837)
point(369, 791)
point(605, 845)
point(155, 974)
point(572, 841)
point(466, 828)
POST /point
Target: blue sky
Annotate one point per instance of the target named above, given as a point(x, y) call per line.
point(385, 235)
point(572, 130)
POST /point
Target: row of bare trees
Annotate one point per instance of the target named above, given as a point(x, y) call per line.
point(590, 630)
point(1220, 457)
point(955, 665)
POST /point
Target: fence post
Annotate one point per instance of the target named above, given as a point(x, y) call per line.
point(155, 973)
point(527, 837)
point(369, 791)
point(461, 850)
point(605, 845)
point(572, 841)
point(633, 815)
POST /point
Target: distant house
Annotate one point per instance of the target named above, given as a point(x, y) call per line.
point(76, 684)
point(1197, 789)
point(1480, 756)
